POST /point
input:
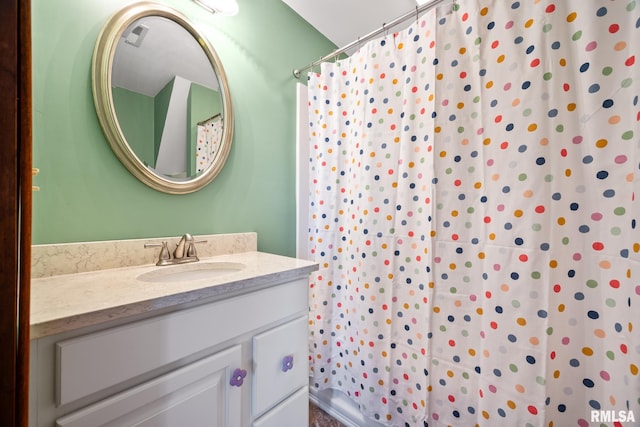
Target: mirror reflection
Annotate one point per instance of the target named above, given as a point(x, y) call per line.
point(167, 98)
point(162, 98)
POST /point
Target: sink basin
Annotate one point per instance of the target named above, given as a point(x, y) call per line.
point(186, 272)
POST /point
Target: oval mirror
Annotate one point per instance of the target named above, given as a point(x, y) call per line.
point(162, 98)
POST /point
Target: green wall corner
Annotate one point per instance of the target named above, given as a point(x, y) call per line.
point(87, 195)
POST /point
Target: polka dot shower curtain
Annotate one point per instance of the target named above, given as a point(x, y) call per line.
point(474, 218)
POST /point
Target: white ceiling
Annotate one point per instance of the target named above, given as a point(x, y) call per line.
point(165, 50)
point(343, 21)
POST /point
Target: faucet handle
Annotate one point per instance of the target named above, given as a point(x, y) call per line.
point(191, 250)
point(164, 252)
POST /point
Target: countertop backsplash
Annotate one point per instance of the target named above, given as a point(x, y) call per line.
point(69, 258)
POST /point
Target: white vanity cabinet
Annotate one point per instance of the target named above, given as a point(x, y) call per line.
point(234, 361)
point(197, 395)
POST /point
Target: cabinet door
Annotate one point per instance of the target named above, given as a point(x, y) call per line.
point(293, 412)
point(281, 363)
point(200, 394)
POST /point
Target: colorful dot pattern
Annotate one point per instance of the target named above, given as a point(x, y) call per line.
point(209, 135)
point(473, 212)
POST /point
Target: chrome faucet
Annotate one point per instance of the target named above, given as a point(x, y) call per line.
point(184, 252)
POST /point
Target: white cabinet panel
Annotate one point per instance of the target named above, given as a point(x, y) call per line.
point(293, 412)
point(280, 363)
point(91, 363)
point(176, 369)
point(197, 395)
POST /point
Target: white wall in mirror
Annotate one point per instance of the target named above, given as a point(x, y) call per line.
point(172, 157)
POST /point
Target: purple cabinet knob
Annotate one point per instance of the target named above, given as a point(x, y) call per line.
point(287, 363)
point(238, 377)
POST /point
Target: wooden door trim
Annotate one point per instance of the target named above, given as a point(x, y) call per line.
point(25, 138)
point(15, 209)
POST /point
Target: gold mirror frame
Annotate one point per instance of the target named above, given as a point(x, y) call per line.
point(101, 67)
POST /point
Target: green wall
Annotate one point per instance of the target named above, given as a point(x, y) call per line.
point(87, 195)
point(136, 119)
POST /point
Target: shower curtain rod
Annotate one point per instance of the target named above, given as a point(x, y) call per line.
point(414, 13)
point(210, 118)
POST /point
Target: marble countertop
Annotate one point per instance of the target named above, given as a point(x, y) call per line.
point(71, 301)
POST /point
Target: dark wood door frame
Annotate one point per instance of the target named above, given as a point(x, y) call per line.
point(15, 209)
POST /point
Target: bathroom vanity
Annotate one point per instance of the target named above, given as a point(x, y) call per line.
point(220, 342)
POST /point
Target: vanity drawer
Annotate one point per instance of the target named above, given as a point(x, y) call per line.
point(97, 361)
point(280, 363)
